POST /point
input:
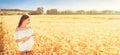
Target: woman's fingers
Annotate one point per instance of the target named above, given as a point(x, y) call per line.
point(34, 34)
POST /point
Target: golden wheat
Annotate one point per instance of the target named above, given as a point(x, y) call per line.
point(69, 34)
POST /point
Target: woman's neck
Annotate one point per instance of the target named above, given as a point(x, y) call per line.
point(23, 26)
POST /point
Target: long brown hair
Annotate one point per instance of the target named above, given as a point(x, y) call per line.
point(23, 17)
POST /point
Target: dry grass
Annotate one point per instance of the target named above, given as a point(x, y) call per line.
point(69, 34)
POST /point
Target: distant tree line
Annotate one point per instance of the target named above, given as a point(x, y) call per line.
point(40, 11)
point(82, 12)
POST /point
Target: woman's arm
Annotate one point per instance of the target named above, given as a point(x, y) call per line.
point(23, 39)
point(26, 38)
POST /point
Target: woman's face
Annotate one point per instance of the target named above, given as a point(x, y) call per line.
point(27, 21)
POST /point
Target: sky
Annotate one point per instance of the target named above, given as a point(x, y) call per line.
point(61, 4)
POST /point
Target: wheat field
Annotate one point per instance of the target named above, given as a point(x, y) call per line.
point(67, 34)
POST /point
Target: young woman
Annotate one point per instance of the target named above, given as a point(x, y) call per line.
point(24, 36)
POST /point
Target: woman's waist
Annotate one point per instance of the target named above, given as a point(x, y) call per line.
point(29, 41)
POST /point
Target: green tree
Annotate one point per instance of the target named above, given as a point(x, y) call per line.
point(52, 12)
point(80, 12)
point(39, 11)
point(67, 12)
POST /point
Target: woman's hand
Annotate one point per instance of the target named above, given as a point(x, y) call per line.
point(34, 34)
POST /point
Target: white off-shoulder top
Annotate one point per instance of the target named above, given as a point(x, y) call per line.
point(19, 34)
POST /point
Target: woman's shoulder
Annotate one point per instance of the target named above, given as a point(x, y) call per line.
point(16, 31)
point(19, 29)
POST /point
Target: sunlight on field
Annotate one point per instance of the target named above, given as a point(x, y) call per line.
point(68, 34)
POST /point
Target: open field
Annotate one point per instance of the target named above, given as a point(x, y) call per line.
point(68, 34)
